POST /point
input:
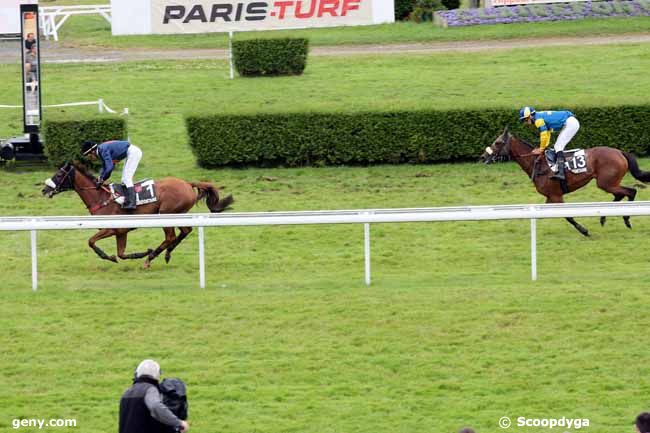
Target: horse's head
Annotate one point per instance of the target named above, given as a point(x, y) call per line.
point(499, 150)
point(62, 180)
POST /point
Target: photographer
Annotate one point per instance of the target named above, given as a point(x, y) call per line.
point(141, 406)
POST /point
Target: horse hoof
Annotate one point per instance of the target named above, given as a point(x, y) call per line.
point(168, 257)
point(113, 259)
point(147, 264)
point(602, 221)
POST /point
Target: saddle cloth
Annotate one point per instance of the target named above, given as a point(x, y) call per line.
point(145, 192)
point(575, 160)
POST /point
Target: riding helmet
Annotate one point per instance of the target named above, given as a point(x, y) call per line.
point(526, 112)
point(88, 146)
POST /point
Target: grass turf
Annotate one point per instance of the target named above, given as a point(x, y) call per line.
point(94, 31)
point(286, 338)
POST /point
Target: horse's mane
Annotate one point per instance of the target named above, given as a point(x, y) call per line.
point(532, 146)
point(83, 169)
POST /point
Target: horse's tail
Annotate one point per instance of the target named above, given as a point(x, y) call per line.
point(643, 176)
point(210, 193)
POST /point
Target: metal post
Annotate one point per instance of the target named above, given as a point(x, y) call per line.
point(34, 261)
point(533, 249)
point(366, 236)
point(201, 258)
point(232, 70)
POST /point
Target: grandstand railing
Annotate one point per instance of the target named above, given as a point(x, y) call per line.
point(361, 216)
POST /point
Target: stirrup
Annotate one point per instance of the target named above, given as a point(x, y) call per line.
point(558, 176)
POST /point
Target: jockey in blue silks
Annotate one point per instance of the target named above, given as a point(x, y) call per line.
point(110, 153)
point(547, 122)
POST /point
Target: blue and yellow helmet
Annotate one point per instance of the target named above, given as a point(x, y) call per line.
point(526, 112)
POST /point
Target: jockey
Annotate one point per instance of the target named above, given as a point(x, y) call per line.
point(110, 153)
point(547, 122)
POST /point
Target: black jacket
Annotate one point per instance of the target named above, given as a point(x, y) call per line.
point(135, 415)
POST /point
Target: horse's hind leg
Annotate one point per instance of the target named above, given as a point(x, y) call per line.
point(620, 192)
point(121, 248)
point(558, 199)
point(103, 233)
point(170, 236)
point(184, 232)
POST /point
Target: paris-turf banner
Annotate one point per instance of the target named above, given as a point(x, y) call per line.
point(206, 16)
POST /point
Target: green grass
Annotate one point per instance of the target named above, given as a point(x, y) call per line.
point(160, 94)
point(286, 337)
point(95, 31)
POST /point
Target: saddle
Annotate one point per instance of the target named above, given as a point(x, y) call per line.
point(145, 192)
point(575, 160)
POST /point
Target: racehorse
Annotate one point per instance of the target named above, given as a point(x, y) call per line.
point(174, 196)
point(605, 164)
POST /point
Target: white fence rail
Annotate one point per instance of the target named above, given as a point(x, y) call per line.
point(363, 216)
point(53, 17)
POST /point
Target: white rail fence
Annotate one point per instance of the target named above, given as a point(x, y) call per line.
point(101, 106)
point(53, 17)
point(363, 216)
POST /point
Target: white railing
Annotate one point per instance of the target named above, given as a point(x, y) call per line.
point(53, 17)
point(101, 106)
point(363, 216)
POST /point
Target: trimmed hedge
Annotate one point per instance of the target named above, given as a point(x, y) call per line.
point(257, 57)
point(63, 138)
point(403, 9)
point(393, 137)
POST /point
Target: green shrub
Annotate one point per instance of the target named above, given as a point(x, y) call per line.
point(270, 56)
point(390, 137)
point(403, 9)
point(424, 9)
point(451, 4)
point(63, 137)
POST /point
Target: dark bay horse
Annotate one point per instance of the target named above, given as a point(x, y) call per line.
point(174, 196)
point(605, 164)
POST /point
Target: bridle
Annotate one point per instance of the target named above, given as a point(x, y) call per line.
point(61, 183)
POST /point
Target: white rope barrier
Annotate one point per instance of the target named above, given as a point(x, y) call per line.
point(101, 105)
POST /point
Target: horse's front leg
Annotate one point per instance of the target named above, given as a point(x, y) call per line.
point(121, 248)
point(558, 199)
point(103, 233)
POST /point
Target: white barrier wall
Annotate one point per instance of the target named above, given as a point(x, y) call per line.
point(10, 15)
point(131, 17)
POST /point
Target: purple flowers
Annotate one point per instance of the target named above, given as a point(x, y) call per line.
point(543, 12)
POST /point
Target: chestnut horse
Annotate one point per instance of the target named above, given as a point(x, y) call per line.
point(174, 196)
point(605, 164)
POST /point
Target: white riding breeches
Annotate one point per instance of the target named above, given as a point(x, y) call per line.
point(566, 134)
point(133, 155)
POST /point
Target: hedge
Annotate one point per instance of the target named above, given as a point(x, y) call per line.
point(63, 137)
point(256, 57)
point(403, 9)
point(424, 136)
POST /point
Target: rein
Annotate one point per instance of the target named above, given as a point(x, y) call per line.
point(101, 204)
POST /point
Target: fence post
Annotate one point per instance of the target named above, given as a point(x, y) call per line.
point(366, 249)
point(533, 249)
point(34, 261)
point(201, 258)
point(232, 69)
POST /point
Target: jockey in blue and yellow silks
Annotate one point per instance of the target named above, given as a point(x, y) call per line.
point(547, 122)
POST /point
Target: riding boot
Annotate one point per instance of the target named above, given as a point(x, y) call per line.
point(129, 202)
point(560, 166)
